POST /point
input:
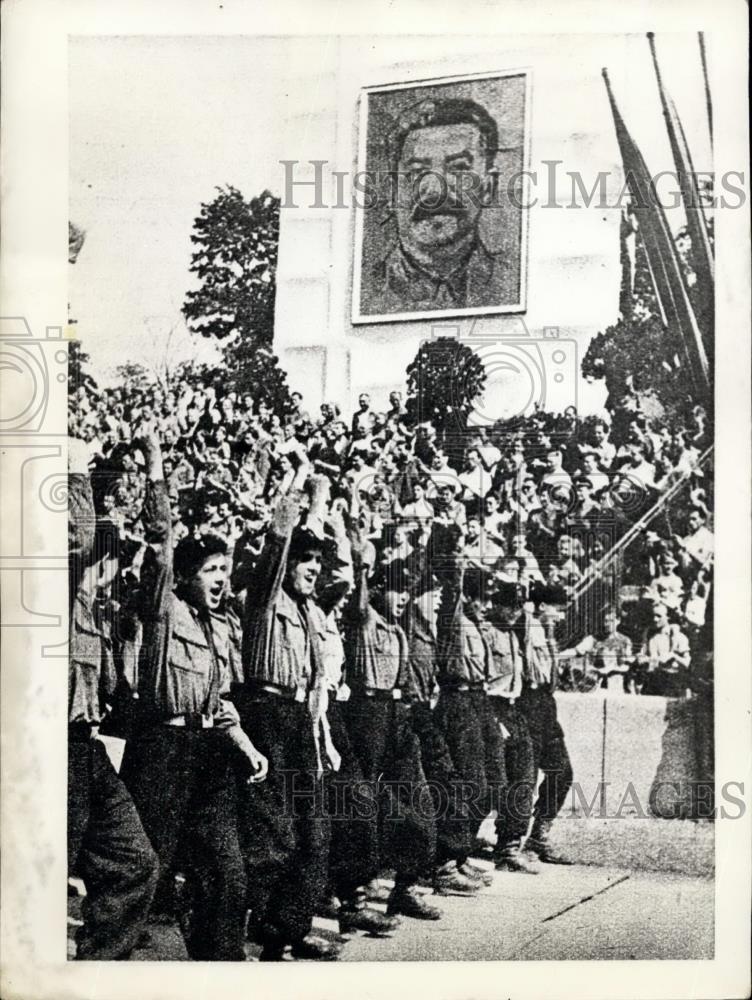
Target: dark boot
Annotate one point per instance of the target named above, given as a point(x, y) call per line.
point(408, 902)
point(329, 908)
point(449, 881)
point(315, 948)
point(368, 920)
point(539, 844)
point(475, 873)
point(511, 859)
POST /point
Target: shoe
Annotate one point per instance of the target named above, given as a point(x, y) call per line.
point(369, 921)
point(329, 908)
point(375, 892)
point(539, 844)
point(410, 904)
point(515, 861)
point(479, 875)
point(272, 953)
point(455, 884)
point(315, 948)
point(546, 853)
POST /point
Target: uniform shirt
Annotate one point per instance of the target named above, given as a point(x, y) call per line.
point(180, 668)
point(505, 676)
point(276, 642)
point(538, 652)
point(228, 639)
point(423, 662)
point(464, 656)
point(331, 645)
point(379, 647)
point(91, 669)
point(400, 283)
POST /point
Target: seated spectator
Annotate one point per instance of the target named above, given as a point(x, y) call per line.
point(591, 468)
point(696, 547)
point(585, 511)
point(602, 445)
point(494, 520)
point(610, 653)
point(478, 549)
point(555, 474)
point(475, 478)
point(664, 659)
point(667, 586)
point(419, 508)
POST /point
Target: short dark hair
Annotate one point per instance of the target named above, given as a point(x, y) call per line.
point(304, 544)
point(192, 552)
point(445, 111)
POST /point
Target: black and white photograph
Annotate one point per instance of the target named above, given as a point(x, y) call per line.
point(383, 449)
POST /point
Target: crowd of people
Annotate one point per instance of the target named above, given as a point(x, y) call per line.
point(331, 646)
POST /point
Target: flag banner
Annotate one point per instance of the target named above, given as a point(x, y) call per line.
point(664, 262)
point(702, 251)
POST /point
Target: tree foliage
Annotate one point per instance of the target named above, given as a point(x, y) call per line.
point(78, 373)
point(235, 260)
point(134, 375)
point(444, 380)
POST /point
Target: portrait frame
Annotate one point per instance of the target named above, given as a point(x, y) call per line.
point(512, 161)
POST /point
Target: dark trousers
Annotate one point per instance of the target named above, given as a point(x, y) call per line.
point(514, 815)
point(183, 784)
point(108, 848)
point(460, 724)
point(469, 726)
point(494, 753)
point(550, 756)
point(455, 828)
point(284, 829)
point(354, 848)
point(400, 800)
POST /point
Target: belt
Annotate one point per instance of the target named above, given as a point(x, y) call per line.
point(191, 720)
point(291, 694)
point(383, 694)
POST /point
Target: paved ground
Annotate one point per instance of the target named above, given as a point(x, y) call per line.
point(563, 913)
point(550, 916)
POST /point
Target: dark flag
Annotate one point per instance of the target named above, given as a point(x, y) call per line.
point(663, 259)
point(702, 252)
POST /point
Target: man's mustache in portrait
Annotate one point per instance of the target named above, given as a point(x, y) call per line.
point(423, 211)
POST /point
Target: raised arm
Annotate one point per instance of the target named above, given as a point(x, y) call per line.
point(265, 581)
point(363, 559)
point(156, 572)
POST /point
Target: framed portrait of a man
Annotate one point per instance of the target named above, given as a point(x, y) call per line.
point(440, 224)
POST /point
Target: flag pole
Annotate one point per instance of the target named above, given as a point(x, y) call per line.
point(708, 100)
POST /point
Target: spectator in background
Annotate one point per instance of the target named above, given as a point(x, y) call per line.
point(696, 547)
point(362, 418)
point(664, 659)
